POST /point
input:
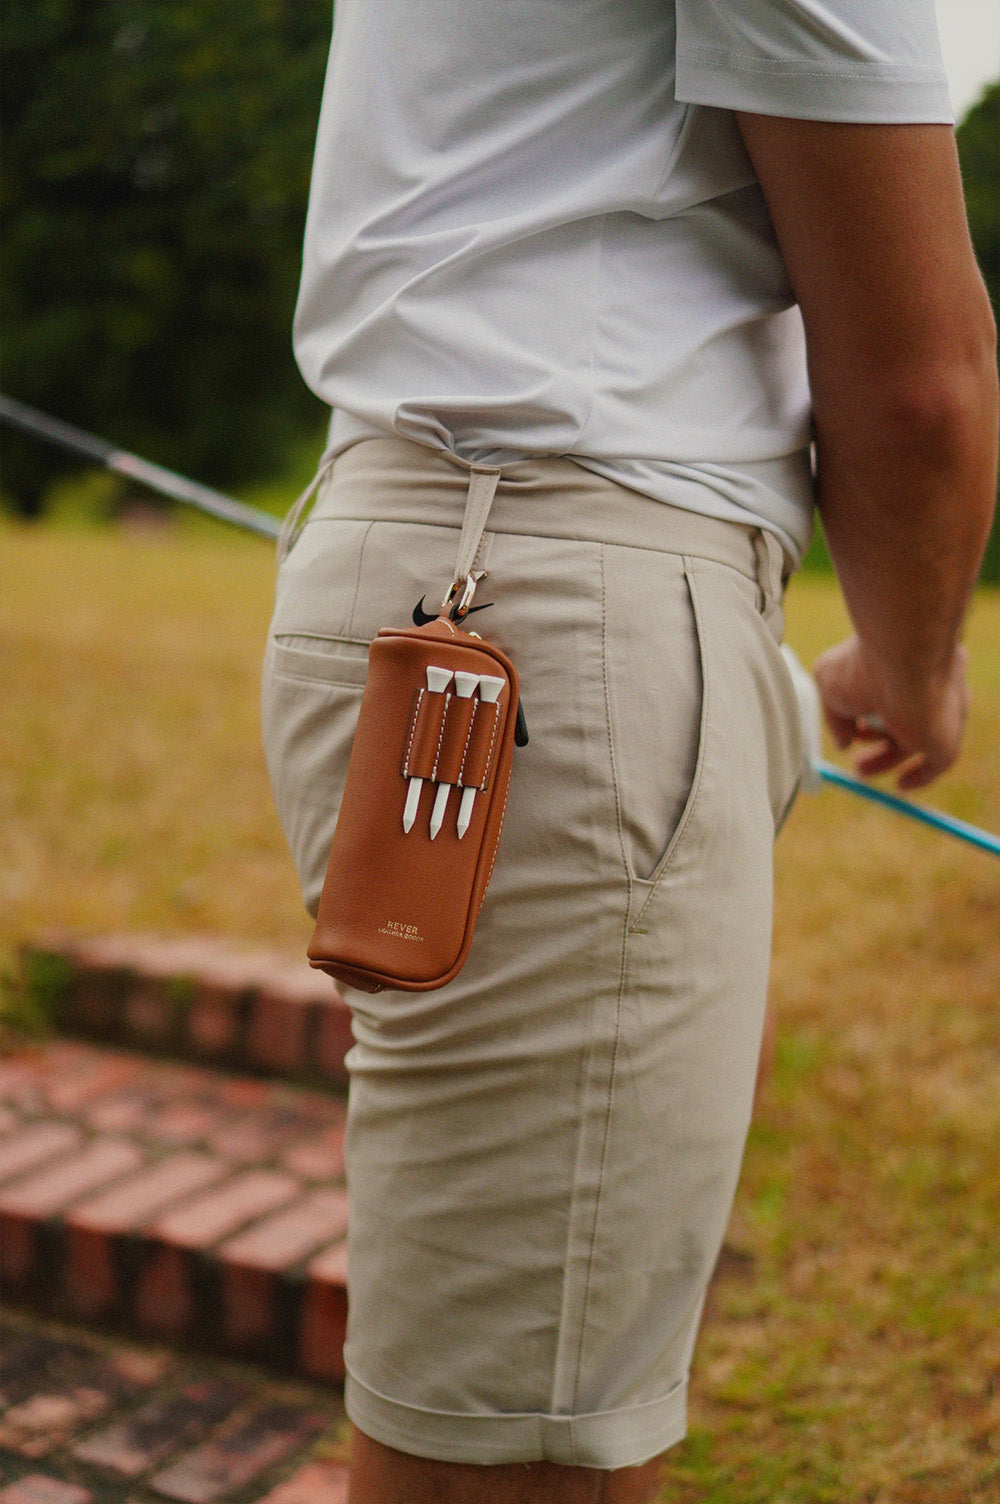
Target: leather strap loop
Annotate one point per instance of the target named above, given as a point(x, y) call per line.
point(483, 484)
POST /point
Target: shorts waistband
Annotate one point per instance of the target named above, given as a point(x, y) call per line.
point(395, 480)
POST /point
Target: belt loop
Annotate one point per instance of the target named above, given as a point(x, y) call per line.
point(770, 578)
point(293, 523)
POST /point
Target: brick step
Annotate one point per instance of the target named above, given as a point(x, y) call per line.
point(193, 998)
point(176, 1200)
point(85, 1419)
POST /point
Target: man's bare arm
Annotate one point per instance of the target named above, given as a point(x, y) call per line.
point(902, 364)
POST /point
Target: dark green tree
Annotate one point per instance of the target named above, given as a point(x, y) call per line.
point(979, 153)
point(156, 168)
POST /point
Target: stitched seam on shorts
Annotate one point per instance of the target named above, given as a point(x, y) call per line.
point(610, 1090)
point(357, 577)
point(608, 1113)
point(619, 818)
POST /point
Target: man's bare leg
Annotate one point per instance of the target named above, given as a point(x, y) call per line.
point(381, 1475)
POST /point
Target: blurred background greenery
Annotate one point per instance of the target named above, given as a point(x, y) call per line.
point(156, 170)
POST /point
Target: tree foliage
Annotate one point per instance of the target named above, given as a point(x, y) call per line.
point(157, 164)
point(979, 153)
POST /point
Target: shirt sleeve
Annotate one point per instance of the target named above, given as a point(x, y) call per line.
point(866, 61)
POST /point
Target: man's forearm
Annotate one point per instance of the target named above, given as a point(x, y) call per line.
point(906, 488)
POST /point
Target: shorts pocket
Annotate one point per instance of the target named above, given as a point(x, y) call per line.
point(330, 660)
point(310, 700)
point(656, 702)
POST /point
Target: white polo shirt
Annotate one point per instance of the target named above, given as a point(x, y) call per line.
point(533, 229)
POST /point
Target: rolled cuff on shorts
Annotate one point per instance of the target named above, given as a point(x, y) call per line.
point(606, 1439)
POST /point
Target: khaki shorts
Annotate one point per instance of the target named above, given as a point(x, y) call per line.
point(542, 1156)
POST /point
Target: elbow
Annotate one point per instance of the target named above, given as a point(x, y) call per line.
point(945, 408)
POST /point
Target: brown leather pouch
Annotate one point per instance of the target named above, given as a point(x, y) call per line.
point(399, 906)
point(425, 794)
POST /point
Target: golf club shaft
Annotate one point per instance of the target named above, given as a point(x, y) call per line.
point(964, 832)
point(167, 482)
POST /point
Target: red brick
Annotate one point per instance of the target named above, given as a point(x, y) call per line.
point(202, 1222)
point(17, 1237)
point(164, 1297)
point(99, 977)
point(182, 956)
point(136, 1109)
point(223, 993)
point(330, 1265)
point(91, 1279)
point(299, 981)
point(320, 1157)
point(26, 1079)
point(42, 1423)
point(88, 1076)
point(50, 1190)
point(280, 1241)
point(32, 1146)
point(19, 1081)
point(149, 1013)
point(333, 1038)
point(186, 1120)
point(278, 1031)
point(27, 1202)
point(121, 1111)
point(212, 1024)
point(244, 1092)
point(130, 1205)
point(38, 1488)
point(148, 955)
point(147, 1436)
point(253, 1261)
point(324, 1316)
point(251, 1312)
point(315, 1483)
point(139, 1368)
point(223, 988)
point(230, 1462)
point(259, 1136)
point(102, 952)
point(232, 972)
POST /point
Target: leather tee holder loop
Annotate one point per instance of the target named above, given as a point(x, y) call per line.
point(425, 795)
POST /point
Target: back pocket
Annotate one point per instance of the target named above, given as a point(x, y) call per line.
point(310, 700)
point(330, 660)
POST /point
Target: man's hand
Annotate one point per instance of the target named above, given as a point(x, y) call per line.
point(915, 730)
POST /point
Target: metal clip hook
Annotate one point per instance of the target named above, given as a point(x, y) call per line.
point(468, 587)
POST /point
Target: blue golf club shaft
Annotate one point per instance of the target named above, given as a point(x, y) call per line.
point(959, 828)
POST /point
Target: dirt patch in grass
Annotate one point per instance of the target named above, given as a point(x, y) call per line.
point(852, 1353)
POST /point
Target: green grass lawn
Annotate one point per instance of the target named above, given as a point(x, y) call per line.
point(852, 1348)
